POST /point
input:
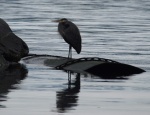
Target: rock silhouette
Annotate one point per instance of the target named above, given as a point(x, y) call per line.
point(12, 48)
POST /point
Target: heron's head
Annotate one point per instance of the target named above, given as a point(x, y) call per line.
point(61, 20)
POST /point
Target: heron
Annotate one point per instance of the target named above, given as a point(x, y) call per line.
point(71, 34)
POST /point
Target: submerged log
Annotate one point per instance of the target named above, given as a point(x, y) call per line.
point(12, 48)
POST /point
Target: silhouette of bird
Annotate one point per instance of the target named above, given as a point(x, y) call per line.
point(70, 33)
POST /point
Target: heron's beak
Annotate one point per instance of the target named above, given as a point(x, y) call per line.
point(56, 21)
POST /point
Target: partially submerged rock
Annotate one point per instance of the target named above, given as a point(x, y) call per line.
point(12, 48)
point(104, 68)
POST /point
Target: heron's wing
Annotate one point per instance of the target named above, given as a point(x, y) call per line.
point(71, 35)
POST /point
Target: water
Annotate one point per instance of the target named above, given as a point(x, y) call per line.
point(116, 29)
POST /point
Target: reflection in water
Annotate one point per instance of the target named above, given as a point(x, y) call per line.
point(69, 78)
point(9, 77)
point(67, 98)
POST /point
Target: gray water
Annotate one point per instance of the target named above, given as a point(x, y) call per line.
point(112, 29)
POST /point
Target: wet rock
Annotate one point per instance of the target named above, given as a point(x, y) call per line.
point(12, 47)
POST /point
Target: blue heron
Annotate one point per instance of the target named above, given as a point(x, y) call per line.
point(70, 33)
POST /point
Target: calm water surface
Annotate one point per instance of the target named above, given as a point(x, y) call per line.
point(116, 29)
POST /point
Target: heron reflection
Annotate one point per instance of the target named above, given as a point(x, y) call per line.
point(68, 98)
point(70, 33)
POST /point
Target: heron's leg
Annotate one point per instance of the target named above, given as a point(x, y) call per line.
point(70, 52)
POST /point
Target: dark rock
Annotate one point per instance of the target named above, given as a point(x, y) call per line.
point(12, 47)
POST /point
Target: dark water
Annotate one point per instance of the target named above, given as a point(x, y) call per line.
point(116, 29)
